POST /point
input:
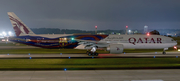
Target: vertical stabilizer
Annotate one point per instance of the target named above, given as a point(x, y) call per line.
point(19, 27)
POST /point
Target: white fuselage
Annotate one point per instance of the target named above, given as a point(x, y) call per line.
point(129, 41)
point(140, 41)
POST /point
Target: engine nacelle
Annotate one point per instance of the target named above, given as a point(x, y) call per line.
point(115, 48)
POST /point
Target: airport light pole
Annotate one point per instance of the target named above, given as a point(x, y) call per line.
point(96, 30)
point(126, 29)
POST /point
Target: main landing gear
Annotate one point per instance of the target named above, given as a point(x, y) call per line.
point(92, 52)
point(164, 51)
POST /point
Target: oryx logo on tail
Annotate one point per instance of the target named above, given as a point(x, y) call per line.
point(19, 27)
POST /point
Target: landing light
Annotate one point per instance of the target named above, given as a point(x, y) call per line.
point(178, 49)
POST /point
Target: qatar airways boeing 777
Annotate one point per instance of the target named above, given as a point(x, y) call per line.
point(114, 43)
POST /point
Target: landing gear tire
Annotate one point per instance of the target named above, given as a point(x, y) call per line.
point(89, 54)
point(96, 54)
point(163, 52)
point(92, 54)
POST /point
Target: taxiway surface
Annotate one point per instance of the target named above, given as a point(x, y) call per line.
point(92, 75)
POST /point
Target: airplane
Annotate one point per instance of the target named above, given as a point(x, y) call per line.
point(115, 44)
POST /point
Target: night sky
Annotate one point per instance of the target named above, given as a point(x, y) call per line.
point(85, 14)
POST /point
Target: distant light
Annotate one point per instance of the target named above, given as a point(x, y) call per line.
point(10, 33)
point(72, 38)
point(176, 56)
point(148, 34)
point(92, 57)
point(129, 30)
point(29, 54)
point(29, 57)
point(96, 27)
point(126, 26)
point(178, 49)
point(65, 69)
point(69, 57)
point(65, 38)
point(154, 56)
point(3, 40)
point(4, 33)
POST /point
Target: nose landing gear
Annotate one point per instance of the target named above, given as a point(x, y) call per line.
point(164, 51)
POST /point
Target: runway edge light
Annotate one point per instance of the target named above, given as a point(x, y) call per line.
point(65, 69)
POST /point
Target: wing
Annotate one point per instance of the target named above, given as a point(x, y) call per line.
point(88, 44)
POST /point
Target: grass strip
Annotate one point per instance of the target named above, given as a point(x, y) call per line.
point(107, 63)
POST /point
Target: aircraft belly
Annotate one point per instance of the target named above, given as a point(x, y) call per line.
point(146, 46)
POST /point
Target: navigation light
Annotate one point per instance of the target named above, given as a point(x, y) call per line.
point(175, 47)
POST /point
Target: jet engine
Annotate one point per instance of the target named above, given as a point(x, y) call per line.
point(115, 48)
